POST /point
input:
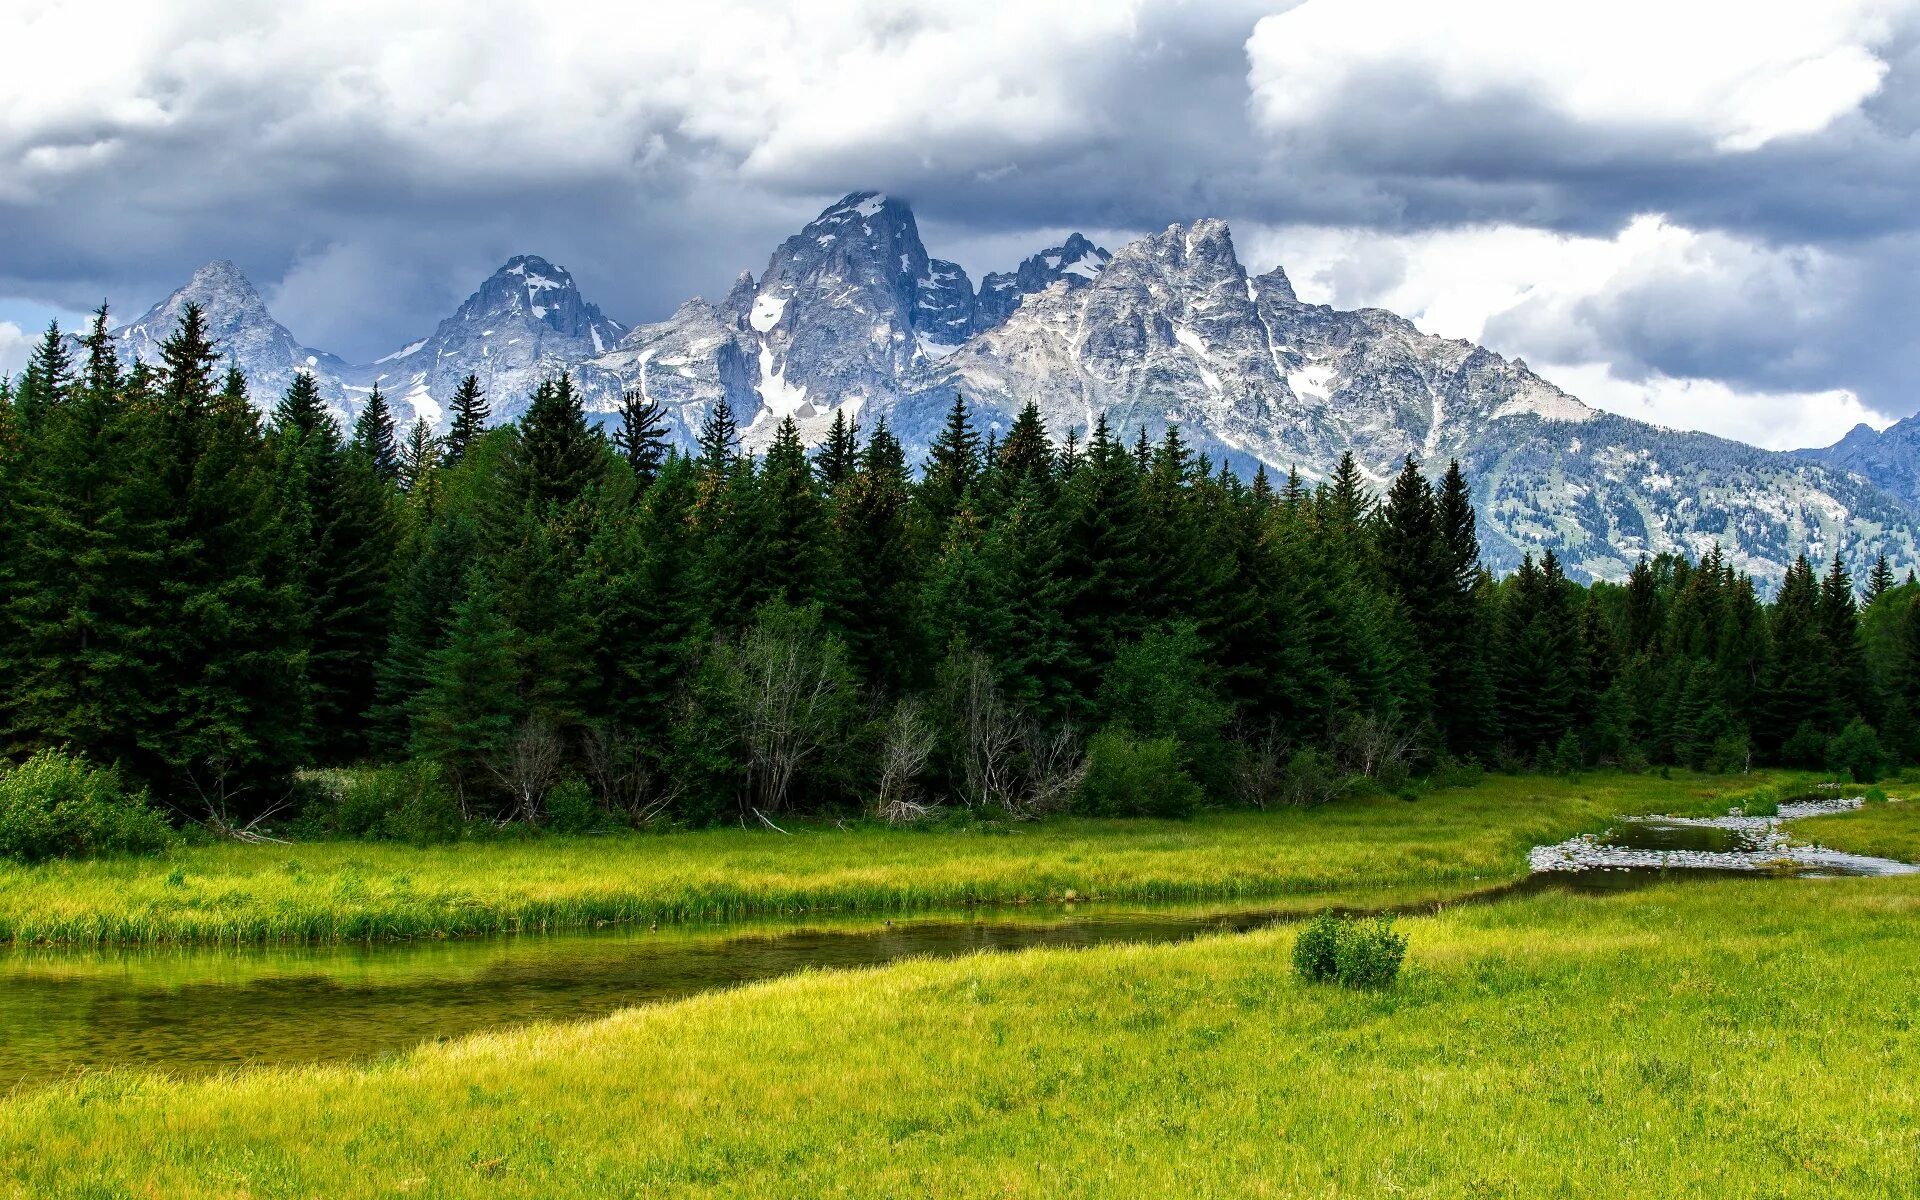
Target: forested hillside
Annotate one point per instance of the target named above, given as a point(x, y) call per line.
point(213, 602)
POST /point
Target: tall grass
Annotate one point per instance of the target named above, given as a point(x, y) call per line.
point(359, 891)
point(1731, 1038)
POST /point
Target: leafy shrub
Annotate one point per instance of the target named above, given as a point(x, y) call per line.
point(1568, 756)
point(57, 804)
point(1729, 755)
point(1857, 749)
point(408, 802)
point(1310, 779)
point(1128, 777)
point(1451, 772)
point(1876, 796)
point(1807, 747)
point(570, 808)
point(1315, 951)
point(1760, 802)
point(1354, 952)
point(1368, 954)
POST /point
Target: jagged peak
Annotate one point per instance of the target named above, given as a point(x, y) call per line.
point(538, 272)
point(1276, 284)
point(220, 273)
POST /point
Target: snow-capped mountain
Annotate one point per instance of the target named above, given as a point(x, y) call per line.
point(1173, 331)
point(1077, 261)
point(526, 323)
point(852, 314)
point(1889, 458)
point(245, 334)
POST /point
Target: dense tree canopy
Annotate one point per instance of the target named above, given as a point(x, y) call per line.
point(212, 602)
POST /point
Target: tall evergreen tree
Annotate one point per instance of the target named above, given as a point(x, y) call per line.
point(952, 468)
point(838, 456)
point(1879, 580)
point(374, 436)
point(559, 457)
point(46, 381)
point(642, 436)
point(470, 416)
point(419, 458)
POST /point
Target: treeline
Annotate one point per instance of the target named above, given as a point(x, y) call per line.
point(210, 602)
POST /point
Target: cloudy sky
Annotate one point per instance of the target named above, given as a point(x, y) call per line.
point(1700, 212)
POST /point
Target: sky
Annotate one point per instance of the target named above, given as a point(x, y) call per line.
point(1696, 212)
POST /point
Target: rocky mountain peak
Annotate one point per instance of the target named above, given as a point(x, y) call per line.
point(1077, 261)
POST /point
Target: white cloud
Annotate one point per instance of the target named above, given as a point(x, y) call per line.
point(1733, 74)
point(15, 346)
point(1775, 420)
point(1658, 322)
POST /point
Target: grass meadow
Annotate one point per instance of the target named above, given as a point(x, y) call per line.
point(1712, 1038)
point(233, 893)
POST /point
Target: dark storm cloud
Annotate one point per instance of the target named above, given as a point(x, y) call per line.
point(367, 169)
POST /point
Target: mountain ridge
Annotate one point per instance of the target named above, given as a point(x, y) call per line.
point(851, 315)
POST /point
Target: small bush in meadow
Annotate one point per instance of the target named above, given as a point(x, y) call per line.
point(1875, 796)
point(1314, 951)
point(1354, 952)
point(58, 805)
point(1760, 802)
point(1451, 772)
point(1857, 749)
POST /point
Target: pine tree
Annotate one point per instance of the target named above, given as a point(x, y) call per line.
point(374, 437)
point(465, 715)
point(419, 458)
point(301, 412)
point(1880, 579)
point(558, 457)
point(1028, 453)
point(719, 440)
point(470, 417)
point(839, 456)
point(46, 382)
point(952, 468)
point(1840, 629)
point(641, 438)
point(876, 577)
point(789, 503)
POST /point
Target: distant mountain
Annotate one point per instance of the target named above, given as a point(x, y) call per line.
point(1889, 458)
point(245, 334)
point(1077, 261)
point(853, 315)
point(526, 323)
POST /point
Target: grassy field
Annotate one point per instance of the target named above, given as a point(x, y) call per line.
point(1882, 830)
point(232, 893)
point(1716, 1038)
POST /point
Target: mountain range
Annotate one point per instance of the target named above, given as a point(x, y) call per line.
point(852, 314)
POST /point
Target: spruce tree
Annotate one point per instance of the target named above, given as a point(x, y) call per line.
point(789, 518)
point(558, 457)
point(464, 716)
point(876, 577)
point(642, 437)
point(374, 436)
point(46, 382)
point(470, 417)
point(838, 456)
point(719, 440)
point(419, 458)
point(952, 468)
point(1879, 579)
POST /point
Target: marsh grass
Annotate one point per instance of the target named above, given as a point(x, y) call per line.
point(1714, 1038)
point(1884, 830)
point(231, 893)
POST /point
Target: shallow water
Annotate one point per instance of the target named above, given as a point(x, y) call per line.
point(196, 1010)
point(189, 1010)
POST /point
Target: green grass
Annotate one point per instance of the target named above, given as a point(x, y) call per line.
point(1883, 830)
point(1715, 1038)
point(232, 893)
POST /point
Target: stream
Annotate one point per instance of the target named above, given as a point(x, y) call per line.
point(188, 1010)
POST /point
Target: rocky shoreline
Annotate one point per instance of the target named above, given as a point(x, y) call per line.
point(1767, 847)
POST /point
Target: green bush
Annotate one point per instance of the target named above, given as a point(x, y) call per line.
point(58, 805)
point(1354, 952)
point(1311, 779)
point(1315, 951)
point(406, 802)
point(1369, 953)
point(1760, 802)
point(1807, 747)
point(1129, 777)
point(1856, 749)
point(1876, 796)
point(570, 808)
point(1451, 772)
